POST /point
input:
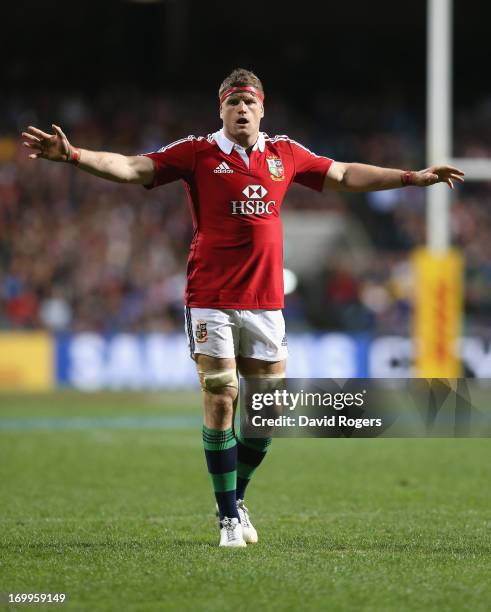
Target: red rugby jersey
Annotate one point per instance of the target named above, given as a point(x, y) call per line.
point(236, 256)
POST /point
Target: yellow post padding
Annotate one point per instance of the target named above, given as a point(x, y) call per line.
point(26, 361)
point(437, 318)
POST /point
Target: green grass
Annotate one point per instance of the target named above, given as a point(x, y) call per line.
point(122, 519)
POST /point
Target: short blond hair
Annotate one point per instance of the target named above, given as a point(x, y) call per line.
point(240, 77)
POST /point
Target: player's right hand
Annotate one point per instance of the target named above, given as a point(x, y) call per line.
point(54, 147)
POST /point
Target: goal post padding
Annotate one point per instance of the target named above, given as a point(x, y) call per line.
point(438, 306)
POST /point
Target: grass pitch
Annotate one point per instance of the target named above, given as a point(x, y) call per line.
point(109, 502)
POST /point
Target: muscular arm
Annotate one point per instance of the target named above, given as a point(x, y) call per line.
point(362, 177)
point(136, 169)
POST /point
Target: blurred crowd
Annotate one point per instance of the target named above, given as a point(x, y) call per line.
point(79, 253)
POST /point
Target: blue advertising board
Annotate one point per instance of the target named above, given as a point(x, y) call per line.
point(89, 361)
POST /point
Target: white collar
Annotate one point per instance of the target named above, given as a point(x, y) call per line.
point(227, 146)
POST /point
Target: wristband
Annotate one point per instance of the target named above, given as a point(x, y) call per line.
point(407, 178)
point(73, 155)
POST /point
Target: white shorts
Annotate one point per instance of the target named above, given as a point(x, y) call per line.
point(259, 334)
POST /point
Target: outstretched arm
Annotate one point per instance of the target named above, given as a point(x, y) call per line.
point(362, 177)
point(112, 166)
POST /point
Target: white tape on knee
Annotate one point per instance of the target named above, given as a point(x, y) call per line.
point(269, 382)
point(214, 380)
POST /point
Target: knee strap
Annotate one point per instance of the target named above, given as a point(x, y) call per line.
point(214, 380)
point(269, 382)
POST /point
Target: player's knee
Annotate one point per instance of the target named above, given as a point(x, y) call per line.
point(219, 408)
point(221, 388)
point(221, 403)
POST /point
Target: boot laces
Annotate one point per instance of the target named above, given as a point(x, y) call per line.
point(229, 528)
point(244, 518)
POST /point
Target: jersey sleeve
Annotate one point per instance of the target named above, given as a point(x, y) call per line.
point(310, 169)
point(173, 162)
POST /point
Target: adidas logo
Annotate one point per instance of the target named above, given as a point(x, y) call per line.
point(223, 168)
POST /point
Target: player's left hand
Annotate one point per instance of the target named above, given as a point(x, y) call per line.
point(437, 174)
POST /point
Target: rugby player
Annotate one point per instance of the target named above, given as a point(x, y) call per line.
point(236, 180)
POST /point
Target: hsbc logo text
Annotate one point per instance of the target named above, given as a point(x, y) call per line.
point(254, 205)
